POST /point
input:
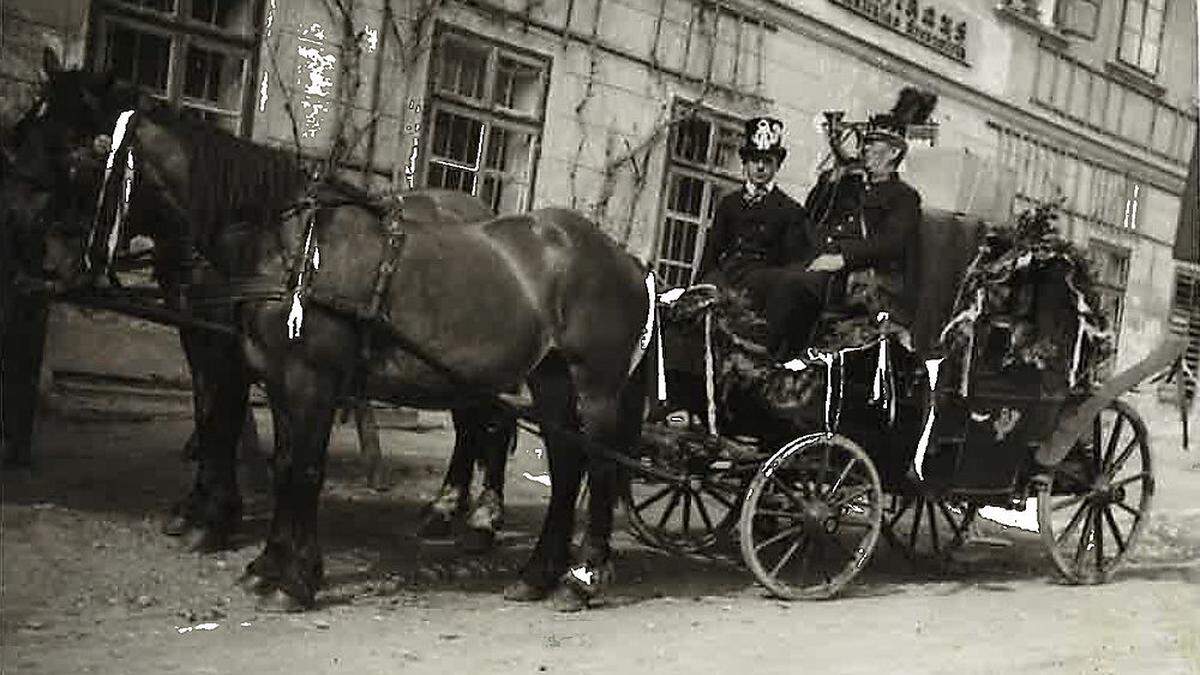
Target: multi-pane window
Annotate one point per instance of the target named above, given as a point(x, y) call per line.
point(1185, 316)
point(193, 53)
point(486, 120)
point(1141, 33)
point(703, 166)
point(1091, 192)
point(1078, 17)
point(1110, 264)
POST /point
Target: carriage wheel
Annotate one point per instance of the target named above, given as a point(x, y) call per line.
point(811, 517)
point(1094, 504)
point(922, 527)
point(689, 515)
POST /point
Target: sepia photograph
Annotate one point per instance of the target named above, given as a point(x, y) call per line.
point(600, 336)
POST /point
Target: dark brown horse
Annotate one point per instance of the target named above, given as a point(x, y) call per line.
point(484, 434)
point(544, 298)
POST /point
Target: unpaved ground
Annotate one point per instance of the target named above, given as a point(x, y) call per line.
point(90, 586)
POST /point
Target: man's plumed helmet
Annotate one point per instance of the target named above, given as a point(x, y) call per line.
point(912, 108)
point(763, 136)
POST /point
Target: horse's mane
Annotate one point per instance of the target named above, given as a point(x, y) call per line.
point(231, 179)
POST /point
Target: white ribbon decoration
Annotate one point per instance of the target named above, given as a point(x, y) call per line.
point(932, 366)
point(118, 138)
point(295, 317)
point(710, 389)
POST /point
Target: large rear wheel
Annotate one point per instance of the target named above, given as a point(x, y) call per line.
point(1094, 504)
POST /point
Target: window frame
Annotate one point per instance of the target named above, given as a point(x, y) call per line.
point(1060, 19)
point(182, 31)
point(485, 110)
point(712, 176)
point(1107, 288)
point(1136, 64)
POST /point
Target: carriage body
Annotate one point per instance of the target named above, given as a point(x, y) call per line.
point(1004, 389)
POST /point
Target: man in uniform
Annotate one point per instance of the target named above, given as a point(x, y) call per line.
point(758, 231)
point(866, 219)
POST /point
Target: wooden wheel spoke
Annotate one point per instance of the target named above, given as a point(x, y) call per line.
point(788, 556)
point(666, 515)
point(1081, 549)
point(824, 472)
point(712, 492)
point(1112, 442)
point(687, 511)
point(1097, 437)
point(1129, 479)
point(1070, 501)
point(900, 513)
point(788, 492)
point(1098, 530)
point(1135, 512)
point(841, 477)
point(654, 498)
point(1072, 524)
point(1119, 462)
point(777, 513)
point(708, 523)
point(916, 525)
point(955, 527)
point(780, 536)
point(1116, 531)
point(847, 498)
point(933, 528)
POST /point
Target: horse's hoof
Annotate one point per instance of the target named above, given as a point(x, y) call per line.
point(435, 526)
point(206, 540)
point(477, 540)
point(567, 599)
point(176, 526)
point(255, 584)
point(279, 602)
point(523, 591)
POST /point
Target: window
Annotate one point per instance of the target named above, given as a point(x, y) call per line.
point(1185, 316)
point(1110, 264)
point(1092, 193)
point(703, 166)
point(1078, 17)
point(1141, 33)
point(193, 53)
point(486, 120)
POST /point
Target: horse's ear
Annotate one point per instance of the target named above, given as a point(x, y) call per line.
point(51, 64)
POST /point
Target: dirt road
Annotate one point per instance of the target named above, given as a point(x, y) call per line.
point(90, 586)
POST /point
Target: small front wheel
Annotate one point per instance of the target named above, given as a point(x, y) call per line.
point(811, 517)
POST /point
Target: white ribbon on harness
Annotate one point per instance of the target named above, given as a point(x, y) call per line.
point(932, 366)
point(295, 317)
point(118, 138)
point(710, 388)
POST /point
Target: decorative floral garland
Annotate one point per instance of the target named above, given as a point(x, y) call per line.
point(991, 292)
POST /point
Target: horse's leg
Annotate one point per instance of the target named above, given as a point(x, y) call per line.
point(368, 444)
point(263, 573)
point(256, 469)
point(496, 440)
point(611, 416)
point(553, 398)
point(216, 501)
point(184, 513)
point(292, 562)
point(452, 498)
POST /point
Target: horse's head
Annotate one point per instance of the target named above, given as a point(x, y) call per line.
point(54, 160)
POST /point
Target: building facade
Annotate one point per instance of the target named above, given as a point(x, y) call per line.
point(630, 110)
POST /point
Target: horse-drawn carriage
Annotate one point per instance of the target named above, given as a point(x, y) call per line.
point(799, 455)
point(902, 442)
